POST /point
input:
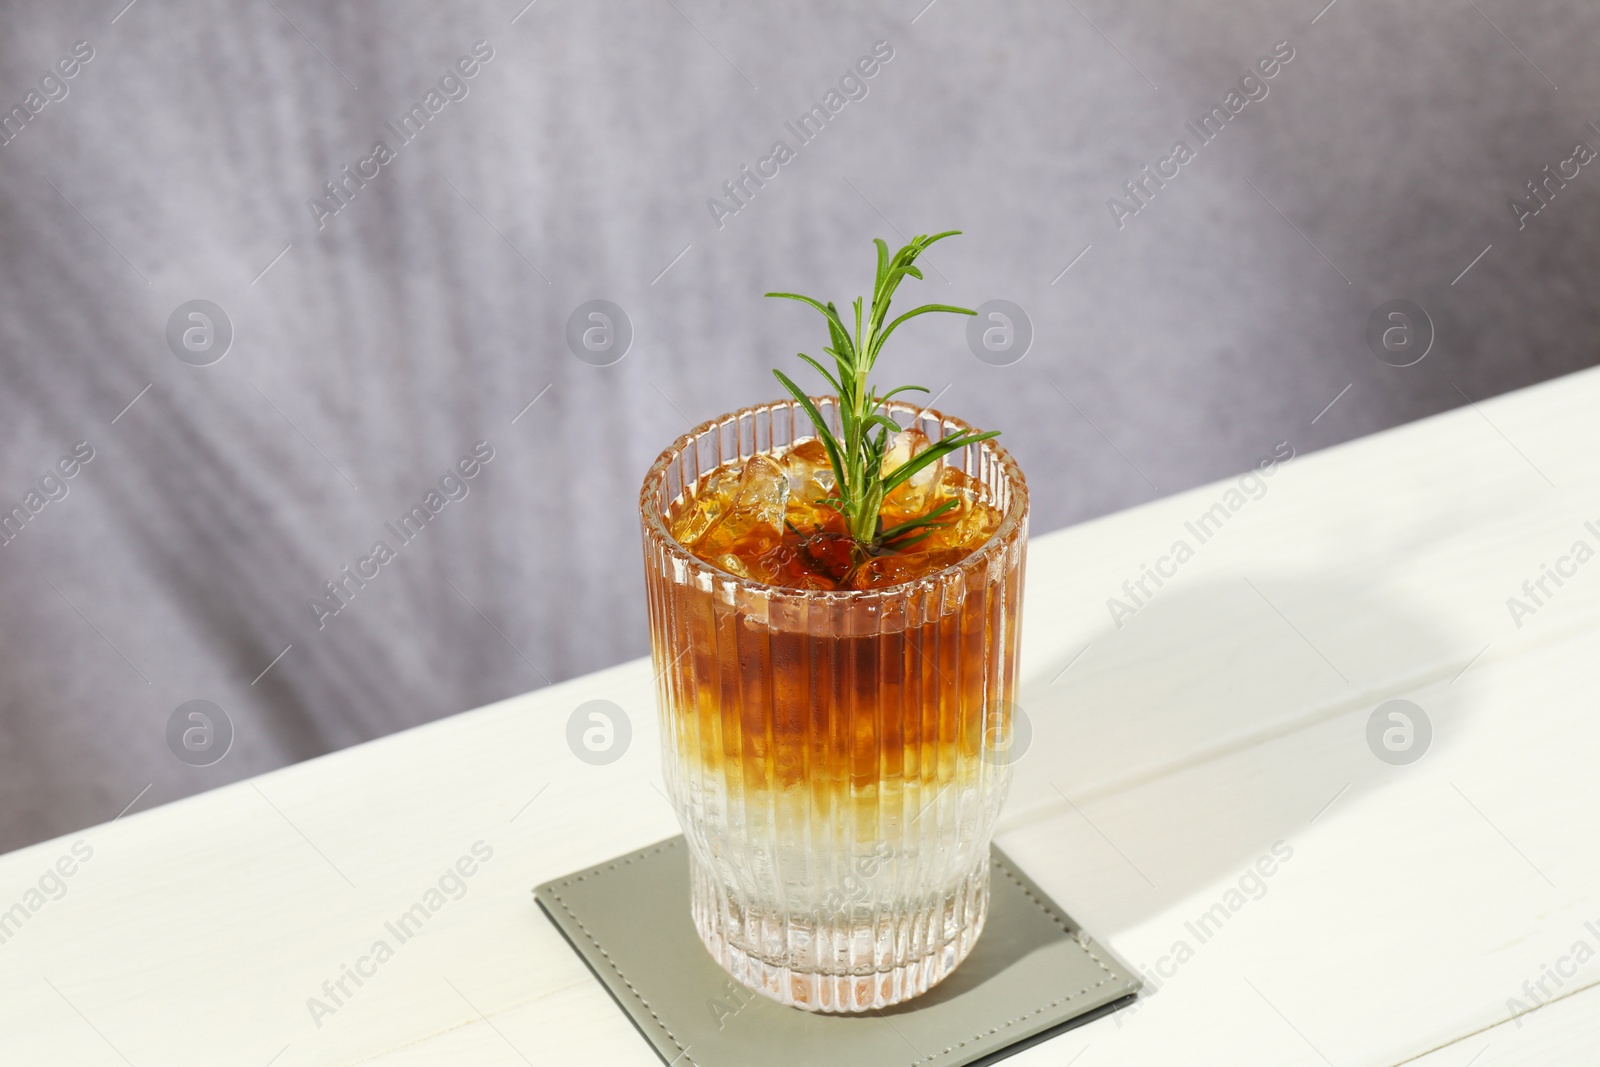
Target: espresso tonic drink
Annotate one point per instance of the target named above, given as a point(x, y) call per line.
point(835, 723)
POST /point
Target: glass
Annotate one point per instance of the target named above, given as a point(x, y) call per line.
point(837, 759)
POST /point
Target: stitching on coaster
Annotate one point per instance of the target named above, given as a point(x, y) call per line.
point(683, 1051)
point(621, 861)
point(1109, 975)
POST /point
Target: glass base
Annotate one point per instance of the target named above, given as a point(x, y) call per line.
point(856, 962)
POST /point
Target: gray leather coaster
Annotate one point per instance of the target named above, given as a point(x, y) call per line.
point(1032, 974)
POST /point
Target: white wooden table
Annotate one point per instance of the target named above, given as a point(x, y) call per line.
point(1226, 719)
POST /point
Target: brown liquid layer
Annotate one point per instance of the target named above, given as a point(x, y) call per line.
point(866, 696)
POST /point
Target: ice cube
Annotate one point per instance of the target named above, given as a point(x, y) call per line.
point(906, 443)
point(914, 495)
point(810, 474)
point(976, 520)
point(752, 528)
point(711, 500)
point(763, 494)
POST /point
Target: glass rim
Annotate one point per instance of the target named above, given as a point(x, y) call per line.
point(978, 559)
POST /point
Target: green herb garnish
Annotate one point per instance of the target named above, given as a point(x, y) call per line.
point(857, 458)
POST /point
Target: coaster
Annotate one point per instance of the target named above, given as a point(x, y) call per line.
point(1032, 974)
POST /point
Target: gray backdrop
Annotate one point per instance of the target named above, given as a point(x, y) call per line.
point(371, 352)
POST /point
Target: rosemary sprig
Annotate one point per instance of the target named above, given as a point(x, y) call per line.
point(856, 454)
point(894, 533)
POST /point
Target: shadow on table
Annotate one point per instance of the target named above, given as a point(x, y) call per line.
point(1217, 720)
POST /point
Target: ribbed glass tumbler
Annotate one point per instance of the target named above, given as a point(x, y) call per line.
point(837, 759)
